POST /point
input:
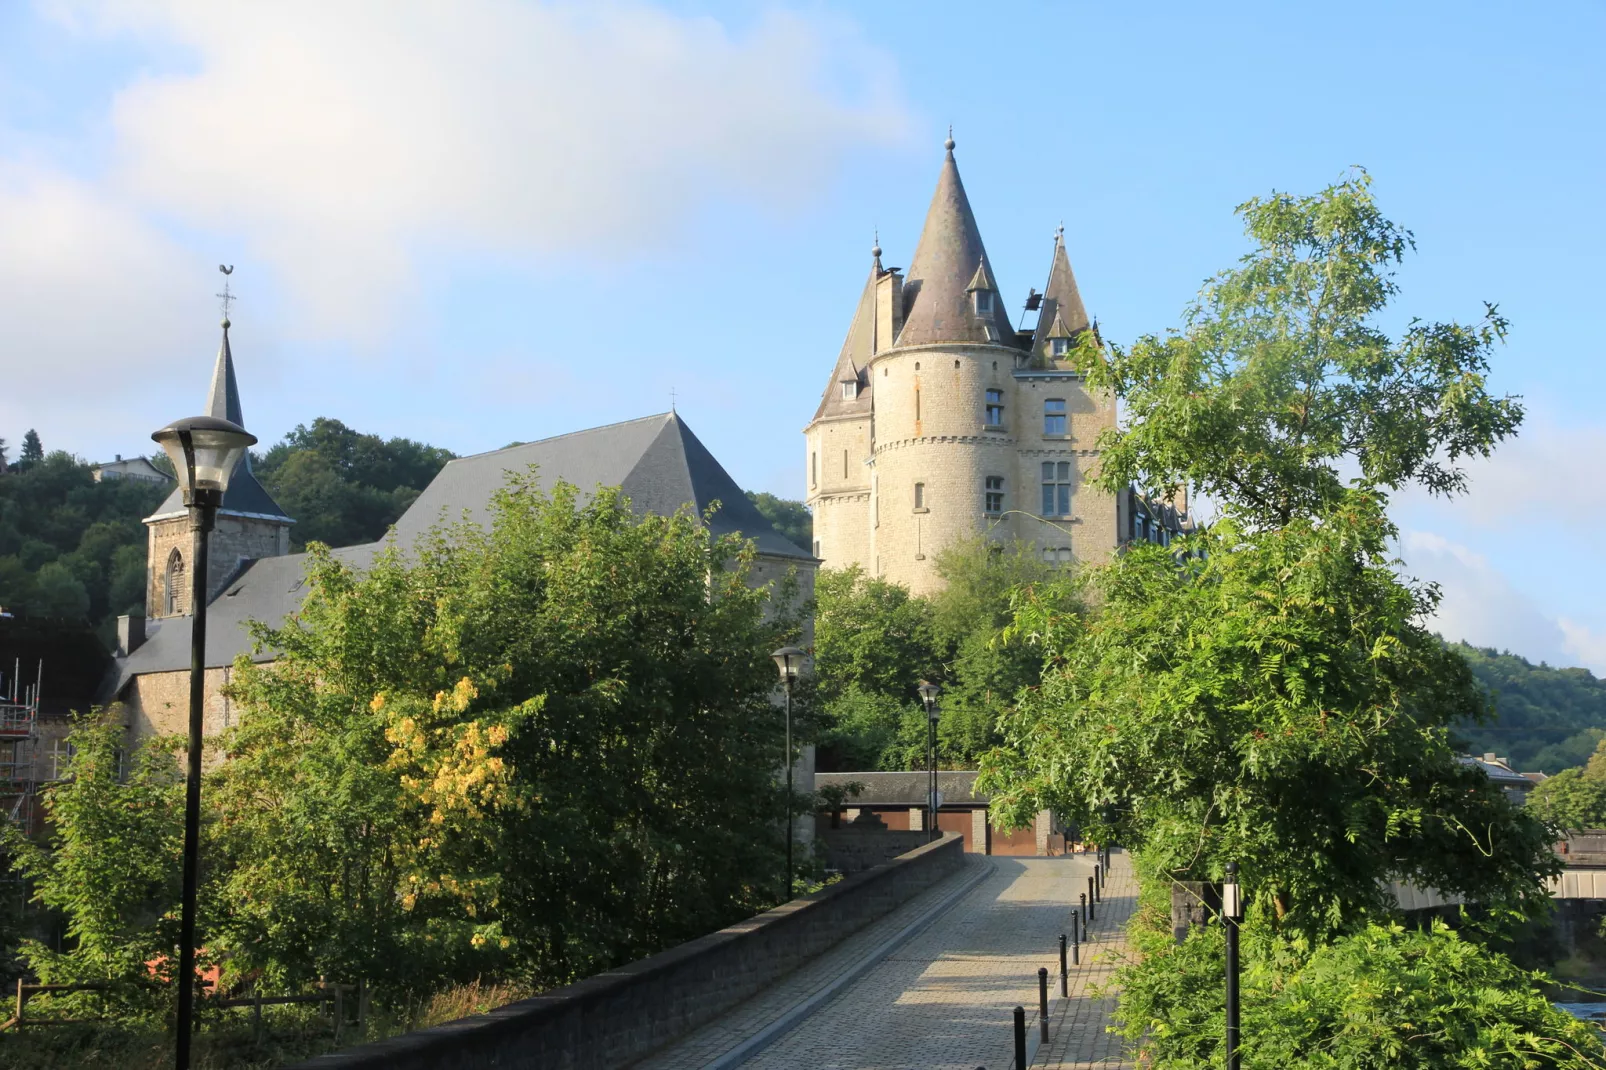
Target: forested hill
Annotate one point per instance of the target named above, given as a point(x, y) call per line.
point(1546, 719)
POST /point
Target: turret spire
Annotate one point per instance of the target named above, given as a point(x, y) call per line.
point(949, 256)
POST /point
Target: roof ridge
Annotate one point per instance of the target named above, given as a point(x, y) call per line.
point(567, 434)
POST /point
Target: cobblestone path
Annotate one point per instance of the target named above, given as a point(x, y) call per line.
point(943, 999)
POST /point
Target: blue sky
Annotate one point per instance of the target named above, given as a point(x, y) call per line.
point(493, 220)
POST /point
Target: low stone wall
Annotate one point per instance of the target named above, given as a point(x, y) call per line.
point(611, 1019)
point(853, 850)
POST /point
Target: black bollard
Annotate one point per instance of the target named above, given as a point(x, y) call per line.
point(1076, 943)
point(1065, 978)
point(1082, 897)
point(1091, 899)
point(1098, 881)
point(1020, 1038)
point(1042, 1004)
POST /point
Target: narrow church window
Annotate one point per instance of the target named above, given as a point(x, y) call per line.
point(814, 468)
point(844, 464)
point(995, 408)
point(917, 404)
point(995, 495)
point(984, 302)
point(920, 495)
point(1056, 488)
point(173, 595)
point(1054, 416)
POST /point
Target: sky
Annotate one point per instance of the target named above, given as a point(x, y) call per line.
point(491, 220)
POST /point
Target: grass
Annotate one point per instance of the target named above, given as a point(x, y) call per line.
point(289, 1034)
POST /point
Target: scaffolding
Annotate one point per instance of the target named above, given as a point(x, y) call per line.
point(19, 743)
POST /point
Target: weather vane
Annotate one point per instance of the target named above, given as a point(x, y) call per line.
point(226, 297)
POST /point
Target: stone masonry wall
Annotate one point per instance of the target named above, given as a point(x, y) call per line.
point(234, 539)
point(616, 1017)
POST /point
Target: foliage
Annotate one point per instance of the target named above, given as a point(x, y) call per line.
point(1546, 719)
point(1574, 799)
point(1280, 376)
point(109, 867)
point(874, 643)
point(33, 451)
point(1275, 703)
point(530, 752)
point(344, 487)
point(71, 548)
point(791, 518)
point(1380, 997)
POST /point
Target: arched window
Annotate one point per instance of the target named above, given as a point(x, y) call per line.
point(173, 583)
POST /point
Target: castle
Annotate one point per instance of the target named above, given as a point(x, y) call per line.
point(941, 421)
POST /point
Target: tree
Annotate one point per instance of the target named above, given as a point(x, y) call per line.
point(1280, 374)
point(1277, 704)
point(1545, 718)
point(790, 518)
point(110, 868)
point(535, 751)
point(32, 450)
point(1574, 799)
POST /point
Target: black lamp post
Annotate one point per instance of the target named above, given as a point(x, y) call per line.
point(1231, 912)
point(788, 659)
point(928, 698)
point(204, 451)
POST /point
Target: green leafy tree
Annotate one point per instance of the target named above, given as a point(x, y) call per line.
point(1574, 799)
point(1280, 373)
point(109, 868)
point(33, 451)
point(533, 751)
point(790, 518)
point(1381, 998)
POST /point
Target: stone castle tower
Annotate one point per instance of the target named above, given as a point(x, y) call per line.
point(250, 523)
point(942, 422)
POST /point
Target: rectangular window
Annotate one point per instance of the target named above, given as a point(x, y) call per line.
point(1056, 488)
point(920, 495)
point(1059, 346)
point(1054, 416)
point(61, 754)
point(814, 469)
point(995, 495)
point(995, 408)
point(850, 389)
point(984, 302)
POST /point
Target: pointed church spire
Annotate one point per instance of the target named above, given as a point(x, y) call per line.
point(223, 400)
point(950, 254)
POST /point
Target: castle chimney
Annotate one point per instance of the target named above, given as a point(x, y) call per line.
point(130, 633)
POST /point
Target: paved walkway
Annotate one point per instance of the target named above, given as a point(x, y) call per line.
point(943, 999)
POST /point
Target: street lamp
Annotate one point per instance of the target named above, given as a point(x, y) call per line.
point(1231, 912)
point(928, 698)
point(788, 659)
point(204, 451)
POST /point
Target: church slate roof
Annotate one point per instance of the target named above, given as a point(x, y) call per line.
point(949, 255)
point(657, 461)
point(245, 495)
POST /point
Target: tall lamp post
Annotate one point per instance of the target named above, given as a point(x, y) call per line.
point(204, 451)
point(788, 659)
point(1232, 910)
point(928, 699)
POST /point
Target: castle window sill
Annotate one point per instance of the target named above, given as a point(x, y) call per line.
point(923, 509)
point(998, 429)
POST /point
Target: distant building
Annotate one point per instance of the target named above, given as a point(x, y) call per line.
point(942, 421)
point(1515, 785)
point(137, 468)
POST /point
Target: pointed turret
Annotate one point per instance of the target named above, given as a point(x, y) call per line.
point(939, 301)
point(1063, 315)
point(848, 392)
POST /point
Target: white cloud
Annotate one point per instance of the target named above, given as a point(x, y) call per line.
point(1480, 605)
point(346, 140)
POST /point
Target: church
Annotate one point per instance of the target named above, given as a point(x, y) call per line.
point(656, 460)
point(942, 421)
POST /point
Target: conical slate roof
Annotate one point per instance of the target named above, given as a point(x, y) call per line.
point(245, 495)
point(857, 349)
point(1063, 314)
point(937, 304)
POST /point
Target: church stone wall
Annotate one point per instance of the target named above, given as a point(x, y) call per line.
point(234, 539)
point(158, 703)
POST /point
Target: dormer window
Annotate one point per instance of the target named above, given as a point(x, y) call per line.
point(850, 389)
point(984, 302)
point(1059, 346)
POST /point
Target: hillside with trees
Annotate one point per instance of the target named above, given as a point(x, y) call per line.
point(1545, 719)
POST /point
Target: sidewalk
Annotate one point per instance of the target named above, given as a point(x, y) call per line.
point(1077, 1038)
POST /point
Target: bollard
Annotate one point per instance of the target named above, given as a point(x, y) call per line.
point(1082, 897)
point(1098, 881)
point(1042, 1004)
point(1076, 944)
point(1020, 1038)
point(1091, 899)
point(1065, 979)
